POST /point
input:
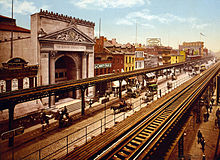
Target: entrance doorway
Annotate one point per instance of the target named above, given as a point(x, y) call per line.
point(65, 69)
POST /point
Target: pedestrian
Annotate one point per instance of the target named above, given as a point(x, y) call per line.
point(212, 101)
point(199, 135)
point(203, 157)
point(210, 108)
point(203, 144)
point(217, 113)
point(207, 108)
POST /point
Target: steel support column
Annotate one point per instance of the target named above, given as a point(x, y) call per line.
point(181, 148)
point(218, 89)
point(10, 123)
point(120, 95)
point(83, 88)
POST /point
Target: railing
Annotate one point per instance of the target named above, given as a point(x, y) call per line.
point(70, 142)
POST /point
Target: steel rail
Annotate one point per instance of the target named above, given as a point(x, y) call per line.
point(182, 108)
point(133, 141)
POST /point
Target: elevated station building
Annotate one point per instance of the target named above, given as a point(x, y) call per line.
point(57, 48)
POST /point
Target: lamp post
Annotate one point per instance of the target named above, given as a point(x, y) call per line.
point(105, 101)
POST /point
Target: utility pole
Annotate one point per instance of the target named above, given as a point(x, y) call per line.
point(136, 34)
point(99, 27)
point(11, 30)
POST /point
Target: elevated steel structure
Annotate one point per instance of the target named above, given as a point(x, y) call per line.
point(25, 95)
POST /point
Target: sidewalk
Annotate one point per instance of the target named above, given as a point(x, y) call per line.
point(210, 133)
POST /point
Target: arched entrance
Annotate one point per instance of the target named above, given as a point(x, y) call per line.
point(65, 69)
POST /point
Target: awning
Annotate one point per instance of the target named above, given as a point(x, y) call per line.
point(116, 83)
point(149, 75)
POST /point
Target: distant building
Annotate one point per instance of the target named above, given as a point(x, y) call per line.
point(139, 58)
point(17, 70)
point(192, 48)
point(129, 61)
point(177, 58)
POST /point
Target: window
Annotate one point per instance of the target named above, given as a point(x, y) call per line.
point(126, 59)
point(132, 60)
point(96, 72)
point(101, 71)
point(60, 74)
point(129, 59)
point(56, 75)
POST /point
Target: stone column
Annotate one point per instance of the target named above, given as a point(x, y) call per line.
point(78, 77)
point(44, 69)
point(91, 72)
point(84, 65)
point(52, 73)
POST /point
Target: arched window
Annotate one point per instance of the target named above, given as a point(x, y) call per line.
point(26, 83)
point(2, 86)
point(14, 84)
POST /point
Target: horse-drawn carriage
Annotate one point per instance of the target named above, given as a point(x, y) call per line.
point(122, 106)
point(148, 97)
point(133, 93)
point(63, 117)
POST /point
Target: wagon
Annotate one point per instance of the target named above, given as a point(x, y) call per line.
point(121, 107)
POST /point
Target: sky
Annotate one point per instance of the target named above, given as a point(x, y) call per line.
point(174, 21)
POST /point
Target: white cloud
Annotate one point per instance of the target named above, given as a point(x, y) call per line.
point(124, 22)
point(148, 25)
point(200, 26)
point(101, 4)
point(144, 17)
point(22, 7)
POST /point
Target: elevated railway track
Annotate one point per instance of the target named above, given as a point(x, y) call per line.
point(151, 136)
point(15, 97)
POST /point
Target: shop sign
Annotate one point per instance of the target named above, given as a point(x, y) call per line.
point(105, 65)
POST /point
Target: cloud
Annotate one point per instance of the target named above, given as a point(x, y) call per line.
point(145, 17)
point(200, 26)
point(124, 22)
point(22, 7)
point(101, 4)
point(148, 25)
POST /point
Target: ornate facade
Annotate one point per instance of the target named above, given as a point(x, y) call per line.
point(59, 47)
point(64, 49)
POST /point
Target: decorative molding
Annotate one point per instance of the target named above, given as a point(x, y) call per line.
point(41, 33)
point(70, 36)
point(85, 53)
point(65, 18)
point(53, 54)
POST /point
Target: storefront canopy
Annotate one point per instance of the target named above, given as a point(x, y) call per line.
point(116, 83)
point(150, 75)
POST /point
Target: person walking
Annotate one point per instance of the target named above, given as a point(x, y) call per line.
point(210, 108)
point(203, 144)
point(212, 101)
point(217, 113)
point(199, 135)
